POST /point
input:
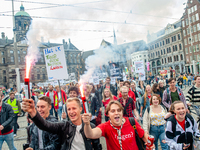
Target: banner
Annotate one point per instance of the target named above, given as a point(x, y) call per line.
point(113, 79)
point(55, 63)
point(139, 66)
point(72, 76)
point(148, 69)
point(115, 71)
point(142, 76)
point(96, 80)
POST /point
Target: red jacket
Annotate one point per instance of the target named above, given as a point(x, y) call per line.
point(131, 94)
point(56, 101)
point(47, 94)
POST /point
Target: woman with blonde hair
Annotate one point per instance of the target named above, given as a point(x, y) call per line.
point(107, 97)
point(145, 100)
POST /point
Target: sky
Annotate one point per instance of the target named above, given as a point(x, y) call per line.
point(87, 22)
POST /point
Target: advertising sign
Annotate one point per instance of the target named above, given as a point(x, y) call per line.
point(148, 69)
point(55, 63)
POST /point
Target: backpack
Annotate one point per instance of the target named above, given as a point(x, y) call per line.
point(174, 125)
point(130, 101)
point(139, 141)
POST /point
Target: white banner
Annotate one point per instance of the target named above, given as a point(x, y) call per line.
point(55, 63)
point(113, 79)
point(142, 76)
point(139, 66)
point(96, 80)
point(72, 76)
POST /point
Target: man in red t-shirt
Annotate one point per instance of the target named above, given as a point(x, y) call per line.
point(111, 129)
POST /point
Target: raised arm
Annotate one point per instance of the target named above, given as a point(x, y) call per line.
point(90, 133)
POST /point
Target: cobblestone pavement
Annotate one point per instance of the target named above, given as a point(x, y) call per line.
point(20, 139)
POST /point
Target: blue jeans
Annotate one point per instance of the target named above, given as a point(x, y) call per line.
point(53, 109)
point(159, 133)
point(189, 82)
point(60, 112)
point(184, 81)
point(9, 138)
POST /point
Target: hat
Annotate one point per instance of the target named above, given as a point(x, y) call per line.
point(37, 90)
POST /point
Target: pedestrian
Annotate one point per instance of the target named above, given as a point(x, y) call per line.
point(141, 85)
point(180, 81)
point(51, 94)
point(189, 79)
point(71, 133)
point(120, 84)
point(42, 139)
point(107, 97)
point(145, 100)
point(92, 103)
point(154, 121)
point(6, 131)
point(118, 131)
point(109, 86)
point(161, 86)
point(36, 95)
point(156, 89)
point(60, 99)
point(184, 79)
point(173, 93)
point(15, 104)
point(180, 128)
point(128, 104)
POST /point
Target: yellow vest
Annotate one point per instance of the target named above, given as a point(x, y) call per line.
point(56, 100)
point(14, 105)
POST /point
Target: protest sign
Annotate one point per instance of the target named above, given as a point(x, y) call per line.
point(113, 79)
point(55, 63)
point(142, 76)
point(96, 80)
point(139, 66)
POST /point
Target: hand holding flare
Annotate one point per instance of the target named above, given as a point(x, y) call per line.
point(83, 98)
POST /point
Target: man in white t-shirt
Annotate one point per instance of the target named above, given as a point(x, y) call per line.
point(70, 132)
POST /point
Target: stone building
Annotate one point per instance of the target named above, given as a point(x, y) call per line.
point(166, 49)
point(191, 34)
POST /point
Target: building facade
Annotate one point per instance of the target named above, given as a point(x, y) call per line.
point(191, 34)
point(166, 49)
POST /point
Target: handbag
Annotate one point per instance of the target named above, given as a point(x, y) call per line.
point(139, 141)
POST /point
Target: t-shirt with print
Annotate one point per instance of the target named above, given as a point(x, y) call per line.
point(127, 135)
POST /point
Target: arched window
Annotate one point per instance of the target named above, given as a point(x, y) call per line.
point(177, 58)
point(75, 58)
point(161, 52)
point(153, 64)
point(162, 61)
point(181, 57)
point(158, 53)
point(174, 58)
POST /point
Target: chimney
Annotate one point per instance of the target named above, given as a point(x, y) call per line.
point(42, 39)
point(63, 41)
point(2, 35)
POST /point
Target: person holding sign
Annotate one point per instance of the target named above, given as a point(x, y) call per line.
point(109, 86)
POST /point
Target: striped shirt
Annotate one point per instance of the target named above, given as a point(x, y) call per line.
point(193, 94)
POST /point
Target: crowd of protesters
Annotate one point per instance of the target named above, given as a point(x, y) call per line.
point(125, 113)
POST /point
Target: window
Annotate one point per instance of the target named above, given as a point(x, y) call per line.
point(193, 18)
point(191, 29)
point(4, 79)
point(24, 52)
point(164, 51)
point(195, 38)
point(179, 36)
point(195, 28)
point(189, 40)
point(180, 47)
point(165, 60)
point(175, 38)
point(38, 76)
point(18, 52)
point(195, 8)
point(43, 70)
point(190, 49)
point(199, 36)
point(184, 34)
point(190, 20)
point(198, 27)
point(140, 55)
point(192, 9)
point(186, 21)
point(11, 59)
point(160, 43)
point(198, 57)
point(19, 59)
point(197, 47)
point(43, 77)
point(191, 58)
point(38, 70)
point(185, 41)
point(168, 40)
point(169, 49)
point(11, 51)
point(172, 39)
point(173, 49)
point(183, 23)
point(188, 32)
point(157, 44)
point(194, 48)
point(181, 57)
point(2, 53)
point(3, 61)
point(186, 50)
point(174, 58)
point(32, 77)
point(4, 72)
point(197, 16)
point(162, 61)
point(163, 43)
point(158, 53)
point(189, 11)
point(176, 48)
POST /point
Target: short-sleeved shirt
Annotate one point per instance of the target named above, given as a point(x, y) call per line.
point(130, 107)
point(175, 96)
point(127, 135)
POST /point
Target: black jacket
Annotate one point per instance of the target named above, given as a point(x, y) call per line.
point(6, 115)
point(112, 89)
point(50, 141)
point(66, 131)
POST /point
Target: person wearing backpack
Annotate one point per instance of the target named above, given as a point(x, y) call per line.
point(173, 93)
point(154, 122)
point(180, 128)
point(121, 133)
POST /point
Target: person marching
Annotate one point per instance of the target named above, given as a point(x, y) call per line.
point(15, 104)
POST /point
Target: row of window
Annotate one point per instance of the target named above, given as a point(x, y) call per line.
point(169, 59)
point(166, 41)
point(195, 38)
point(195, 48)
point(192, 18)
point(196, 58)
point(193, 29)
point(11, 52)
point(174, 47)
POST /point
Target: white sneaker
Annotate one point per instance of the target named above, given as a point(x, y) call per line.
point(15, 135)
